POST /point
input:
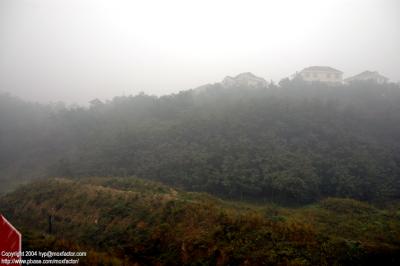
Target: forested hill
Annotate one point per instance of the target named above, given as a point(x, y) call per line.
point(293, 142)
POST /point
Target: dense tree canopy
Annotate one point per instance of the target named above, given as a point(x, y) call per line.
point(293, 142)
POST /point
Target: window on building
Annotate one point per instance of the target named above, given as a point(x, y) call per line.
point(337, 76)
point(315, 75)
point(328, 75)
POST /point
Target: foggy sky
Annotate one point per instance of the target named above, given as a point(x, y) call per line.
point(75, 51)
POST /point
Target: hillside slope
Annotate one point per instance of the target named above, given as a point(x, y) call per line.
point(129, 220)
point(294, 143)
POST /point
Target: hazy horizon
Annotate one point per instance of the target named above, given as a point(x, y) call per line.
point(75, 51)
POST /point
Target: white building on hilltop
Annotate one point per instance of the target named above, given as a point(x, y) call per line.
point(245, 79)
point(322, 74)
point(368, 75)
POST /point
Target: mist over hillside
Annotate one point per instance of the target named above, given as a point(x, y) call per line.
point(293, 142)
point(226, 133)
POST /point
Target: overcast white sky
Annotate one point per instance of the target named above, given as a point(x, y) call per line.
point(76, 50)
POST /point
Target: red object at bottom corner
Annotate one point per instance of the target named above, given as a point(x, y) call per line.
point(10, 243)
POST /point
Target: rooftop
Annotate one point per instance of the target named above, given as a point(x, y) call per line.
point(367, 74)
point(322, 68)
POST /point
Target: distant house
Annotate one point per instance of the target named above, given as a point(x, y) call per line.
point(245, 79)
point(368, 75)
point(321, 73)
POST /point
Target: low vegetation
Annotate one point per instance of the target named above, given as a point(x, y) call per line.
point(123, 221)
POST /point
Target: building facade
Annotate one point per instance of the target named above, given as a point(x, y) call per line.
point(322, 74)
point(368, 76)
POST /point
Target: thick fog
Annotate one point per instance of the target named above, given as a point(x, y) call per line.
point(75, 51)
